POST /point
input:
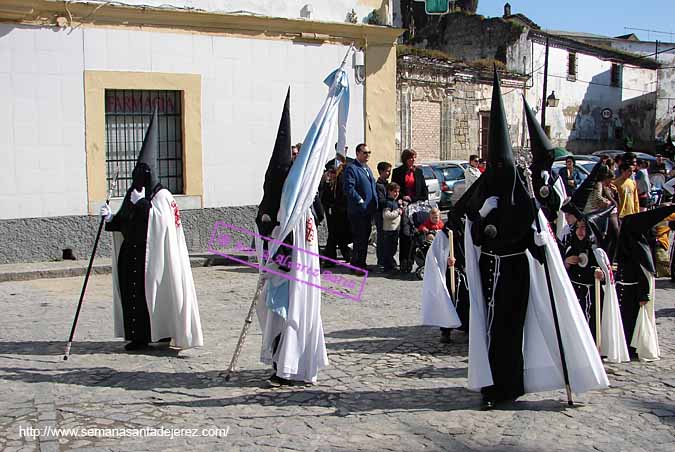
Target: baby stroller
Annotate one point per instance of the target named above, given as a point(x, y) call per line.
point(415, 215)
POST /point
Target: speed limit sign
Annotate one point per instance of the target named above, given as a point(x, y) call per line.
point(606, 113)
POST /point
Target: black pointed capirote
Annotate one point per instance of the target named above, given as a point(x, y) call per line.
point(540, 146)
point(501, 166)
point(277, 171)
point(633, 238)
point(146, 171)
point(579, 199)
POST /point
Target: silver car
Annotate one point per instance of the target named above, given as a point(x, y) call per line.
point(433, 186)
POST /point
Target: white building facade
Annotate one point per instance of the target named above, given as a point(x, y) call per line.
point(81, 78)
point(605, 98)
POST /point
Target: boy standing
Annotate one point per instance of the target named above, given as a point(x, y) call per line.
point(391, 221)
point(384, 171)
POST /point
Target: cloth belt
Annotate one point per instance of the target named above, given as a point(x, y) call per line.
point(587, 299)
point(626, 283)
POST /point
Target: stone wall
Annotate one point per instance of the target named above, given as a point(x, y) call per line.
point(467, 37)
point(426, 139)
point(440, 104)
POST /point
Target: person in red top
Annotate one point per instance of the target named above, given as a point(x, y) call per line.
point(433, 224)
point(413, 188)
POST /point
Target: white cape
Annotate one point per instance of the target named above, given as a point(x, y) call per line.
point(302, 350)
point(645, 337)
point(561, 226)
point(437, 306)
point(169, 288)
point(613, 341)
point(542, 364)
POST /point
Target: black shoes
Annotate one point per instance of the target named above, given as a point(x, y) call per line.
point(276, 381)
point(487, 405)
point(133, 345)
point(445, 336)
point(166, 339)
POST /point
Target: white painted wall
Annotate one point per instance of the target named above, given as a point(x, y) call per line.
point(591, 90)
point(244, 82)
point(323, 10)
point(665, 104)
point(42, 172)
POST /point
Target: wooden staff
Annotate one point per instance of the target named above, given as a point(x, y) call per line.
point(556, 323)
point(598, 335)
point(247, 323)
point(91, 262)
point(452, 271)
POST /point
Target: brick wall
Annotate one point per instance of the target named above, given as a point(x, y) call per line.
point(426, 137)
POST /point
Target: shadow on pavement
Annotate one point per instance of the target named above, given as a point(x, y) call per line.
point(436, 372)
point(664, 283)
point(351, 402)
point(50, 348)
point(668, 312)
point(138, 380)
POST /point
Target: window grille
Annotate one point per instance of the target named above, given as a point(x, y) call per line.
point(616, 75)
point(127, 117)
point(572, 68)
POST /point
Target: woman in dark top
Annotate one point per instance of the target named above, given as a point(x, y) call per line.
point(413, 189)
point(410, 178)
point(570, 176)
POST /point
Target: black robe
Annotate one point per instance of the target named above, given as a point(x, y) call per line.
point(583, 280)
point(632, 287)
point(507, 321)
point(132, 222)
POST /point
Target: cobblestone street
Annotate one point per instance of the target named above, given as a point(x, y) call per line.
point(390, 386)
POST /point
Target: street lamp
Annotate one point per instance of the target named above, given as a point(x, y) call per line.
point(551, 100)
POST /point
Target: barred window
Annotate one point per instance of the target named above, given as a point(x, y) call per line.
point(616, 74)
point(572, 66)
point(127, 117)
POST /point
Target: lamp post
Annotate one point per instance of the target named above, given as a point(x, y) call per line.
point(543, 97)
point(551, 100)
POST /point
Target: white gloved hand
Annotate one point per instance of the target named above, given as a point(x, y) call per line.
point(105, 213)
point(545, 176)
point(136, 195)
point(540, 238)
point(488, 206)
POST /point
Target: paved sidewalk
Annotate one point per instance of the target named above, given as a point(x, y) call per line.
point(102, 265)
point(390, 385)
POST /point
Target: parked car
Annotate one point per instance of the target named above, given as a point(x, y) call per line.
point(448, 173)
point(432, 183)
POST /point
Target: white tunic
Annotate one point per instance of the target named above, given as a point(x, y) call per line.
point(437, 306)
point(613, 340)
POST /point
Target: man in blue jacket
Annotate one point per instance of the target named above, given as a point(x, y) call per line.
point(359, 187)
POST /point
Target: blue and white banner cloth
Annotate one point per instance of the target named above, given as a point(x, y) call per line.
point(290, 315)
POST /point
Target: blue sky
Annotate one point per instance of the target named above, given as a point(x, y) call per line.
point(605, 17)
